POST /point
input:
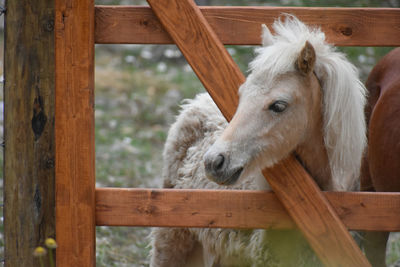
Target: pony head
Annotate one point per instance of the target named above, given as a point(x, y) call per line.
point(299, 89)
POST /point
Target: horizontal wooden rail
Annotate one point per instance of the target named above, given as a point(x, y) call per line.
point(235, 209)
point(241, 25)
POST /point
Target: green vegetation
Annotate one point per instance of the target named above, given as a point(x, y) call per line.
point(138, 91)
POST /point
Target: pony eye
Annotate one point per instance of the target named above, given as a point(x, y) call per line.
point(278, 106)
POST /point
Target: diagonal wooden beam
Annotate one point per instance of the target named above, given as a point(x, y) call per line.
point(313, 214)
point(203, 51)
point(219, 74)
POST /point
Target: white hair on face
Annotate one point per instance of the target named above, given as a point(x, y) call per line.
point(344, 95)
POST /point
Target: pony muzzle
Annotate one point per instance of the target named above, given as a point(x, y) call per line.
point(218, 169)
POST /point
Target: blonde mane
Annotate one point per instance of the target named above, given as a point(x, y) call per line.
point(343, 93)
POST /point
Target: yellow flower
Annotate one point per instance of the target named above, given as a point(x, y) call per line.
point(39, 252)
point(50, 243)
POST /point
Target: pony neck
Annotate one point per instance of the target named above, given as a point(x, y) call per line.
point(312, 151)
point(313, 156)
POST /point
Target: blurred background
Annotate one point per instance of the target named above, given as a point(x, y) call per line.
point(138, 92)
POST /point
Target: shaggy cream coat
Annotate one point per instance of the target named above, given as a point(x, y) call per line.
point(199, 124)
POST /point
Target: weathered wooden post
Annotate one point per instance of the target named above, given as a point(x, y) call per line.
point(29, 213)
point(49, 130)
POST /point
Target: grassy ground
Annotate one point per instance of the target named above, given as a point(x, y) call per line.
point(137, 96)
point(138, 89)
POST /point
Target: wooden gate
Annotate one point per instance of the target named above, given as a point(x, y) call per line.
point(323, 217)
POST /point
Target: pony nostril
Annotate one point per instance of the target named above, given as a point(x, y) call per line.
point(218, 162)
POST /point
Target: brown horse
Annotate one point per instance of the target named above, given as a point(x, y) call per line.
point(381, 166)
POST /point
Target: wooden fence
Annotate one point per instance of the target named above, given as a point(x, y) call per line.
point(323, 217)
point(184, 23)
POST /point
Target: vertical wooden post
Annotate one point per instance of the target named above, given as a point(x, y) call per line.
point(74, 132)
point(29, 129)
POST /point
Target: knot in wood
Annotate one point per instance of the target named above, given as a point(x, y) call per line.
point(49, 25)
point(39, 118)
point(347, 31)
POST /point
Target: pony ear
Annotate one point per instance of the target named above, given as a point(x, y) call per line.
point(306, 60)
point(266, 36)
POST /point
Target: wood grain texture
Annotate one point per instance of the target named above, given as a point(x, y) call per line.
point(74, 134)
point(366, 211)
point(29, 214)
point(235, 209)
point(221, 77)
point(241, 25)
point(190, 208)
point(206, 55)
point(314, 215)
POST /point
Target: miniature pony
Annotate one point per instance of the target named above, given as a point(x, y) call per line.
point(302, 97)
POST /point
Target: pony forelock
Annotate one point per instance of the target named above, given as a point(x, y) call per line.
point(343, 93)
